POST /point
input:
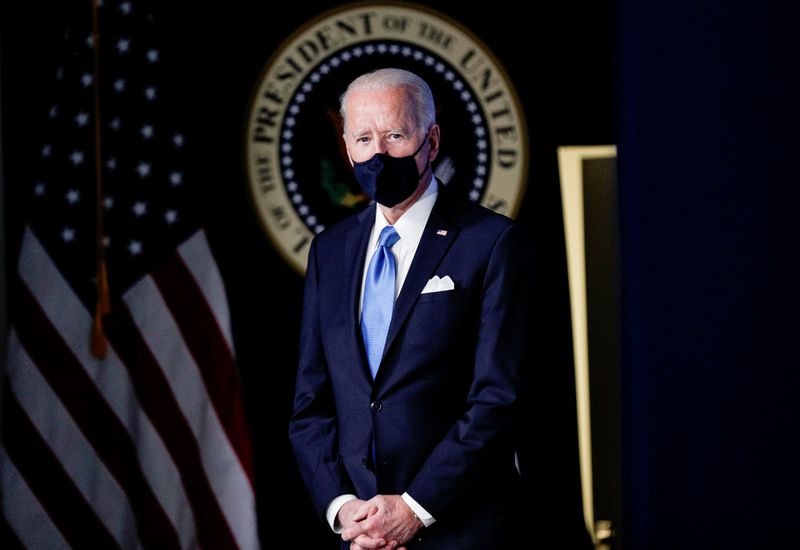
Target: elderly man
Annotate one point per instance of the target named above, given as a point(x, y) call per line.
point(411, 340)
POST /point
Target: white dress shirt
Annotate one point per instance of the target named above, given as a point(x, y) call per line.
point(410, 227)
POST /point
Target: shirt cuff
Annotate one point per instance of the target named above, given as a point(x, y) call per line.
point(333, 510)
point(423, 515)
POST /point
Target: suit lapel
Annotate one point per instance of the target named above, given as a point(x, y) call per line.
point(439, 234)
point(355, 254)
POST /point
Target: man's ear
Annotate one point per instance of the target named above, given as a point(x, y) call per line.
point(347, 148)
point(433, 138)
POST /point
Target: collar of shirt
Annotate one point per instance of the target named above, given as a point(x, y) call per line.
point(410, 227)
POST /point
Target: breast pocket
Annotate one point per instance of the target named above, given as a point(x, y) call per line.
point(431, 297)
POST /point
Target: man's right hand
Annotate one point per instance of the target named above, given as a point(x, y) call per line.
point(357, 510)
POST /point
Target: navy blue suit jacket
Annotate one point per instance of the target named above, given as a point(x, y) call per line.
point(442, 406)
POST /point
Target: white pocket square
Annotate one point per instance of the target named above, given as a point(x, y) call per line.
point(435, 284)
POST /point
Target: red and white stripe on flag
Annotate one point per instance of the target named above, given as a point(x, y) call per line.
point(147, 448)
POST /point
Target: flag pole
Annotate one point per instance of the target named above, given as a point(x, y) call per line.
point(98, 342)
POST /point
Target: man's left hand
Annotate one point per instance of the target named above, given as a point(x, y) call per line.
point(392, 521)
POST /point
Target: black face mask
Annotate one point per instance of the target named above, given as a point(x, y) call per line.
point(390, 180)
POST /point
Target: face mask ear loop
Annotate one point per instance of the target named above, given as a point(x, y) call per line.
point(413, 155)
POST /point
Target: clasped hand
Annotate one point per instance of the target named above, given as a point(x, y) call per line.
point(384, 521)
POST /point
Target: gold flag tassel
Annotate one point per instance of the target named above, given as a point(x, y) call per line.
point(98, 344)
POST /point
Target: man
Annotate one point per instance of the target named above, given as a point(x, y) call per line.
point(410, 345)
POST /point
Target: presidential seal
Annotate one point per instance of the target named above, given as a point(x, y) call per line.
point(297, 167)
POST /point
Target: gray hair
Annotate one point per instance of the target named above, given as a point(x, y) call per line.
point(418, 89)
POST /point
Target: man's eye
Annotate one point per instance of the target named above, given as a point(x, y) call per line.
point(363, 139)
point(395, 137)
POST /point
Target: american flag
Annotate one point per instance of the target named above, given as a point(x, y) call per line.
point(148, 446)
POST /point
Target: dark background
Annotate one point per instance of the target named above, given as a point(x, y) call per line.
point(701, 96)
point(709, 136)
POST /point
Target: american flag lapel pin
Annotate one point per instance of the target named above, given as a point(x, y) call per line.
point(442, 232)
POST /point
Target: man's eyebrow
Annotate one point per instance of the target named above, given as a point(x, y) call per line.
point(396, 130)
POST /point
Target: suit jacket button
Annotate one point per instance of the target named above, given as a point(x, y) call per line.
point(376, 406)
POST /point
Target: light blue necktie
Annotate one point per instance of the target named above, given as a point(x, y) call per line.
point(378, 303)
